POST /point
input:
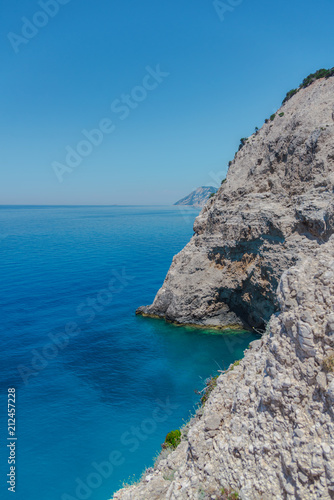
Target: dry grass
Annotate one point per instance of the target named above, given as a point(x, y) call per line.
point(328, 363)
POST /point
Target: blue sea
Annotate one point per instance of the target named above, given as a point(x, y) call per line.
point(97, 387)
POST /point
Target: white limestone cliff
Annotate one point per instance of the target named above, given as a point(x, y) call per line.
point(263, 251)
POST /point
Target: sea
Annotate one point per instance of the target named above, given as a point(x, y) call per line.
point(96, 387)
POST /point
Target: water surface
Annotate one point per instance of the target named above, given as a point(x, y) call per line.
point(119, 383)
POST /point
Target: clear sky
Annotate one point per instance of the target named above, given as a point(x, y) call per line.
point(69, 66)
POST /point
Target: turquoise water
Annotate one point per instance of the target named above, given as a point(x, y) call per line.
point(95, 403)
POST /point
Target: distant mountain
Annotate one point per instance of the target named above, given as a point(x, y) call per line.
point(198, 198)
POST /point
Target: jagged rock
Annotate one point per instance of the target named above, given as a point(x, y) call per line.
point(263, 249)
point(275, 208)
point(212, 422)
point(276, 442)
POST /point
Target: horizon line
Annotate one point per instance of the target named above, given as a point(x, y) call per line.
point(89, 205)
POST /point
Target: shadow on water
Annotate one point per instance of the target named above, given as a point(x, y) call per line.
point(149, 358)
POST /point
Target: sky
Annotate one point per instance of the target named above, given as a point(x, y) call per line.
point(124, 102)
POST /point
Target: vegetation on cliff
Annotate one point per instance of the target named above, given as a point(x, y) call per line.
point(321, 73)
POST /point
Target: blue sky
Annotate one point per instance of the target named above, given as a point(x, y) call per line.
point(222, 77)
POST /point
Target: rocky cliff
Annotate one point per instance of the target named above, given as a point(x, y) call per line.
point(263, 250)
point(199, 197)
point(275, 207)
point(267, 429)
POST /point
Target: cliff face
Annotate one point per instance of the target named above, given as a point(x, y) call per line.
point(262, 244)
point(275, 208)
point(197, 198)
point(267, 428)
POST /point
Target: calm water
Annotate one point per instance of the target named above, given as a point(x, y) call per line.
point(112, 389)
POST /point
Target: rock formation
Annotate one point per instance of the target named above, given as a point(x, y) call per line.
point(263, 251)
point(267, 428)
point(199, 197)
point(275, 207)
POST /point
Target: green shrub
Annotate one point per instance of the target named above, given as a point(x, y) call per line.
point(173, 439)
point(211, 383)
point(201, 494)
point(290, 94)
point(236, 363)
point(321, 73)
point(229, 494)
point(272, 118)
point(211, 195)
point(224, 180)
point(281, 114)
point(243, 141)
point(211, 492)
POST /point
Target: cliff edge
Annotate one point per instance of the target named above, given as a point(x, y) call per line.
point(275, 208)
point(267, 429)
point(263, 251)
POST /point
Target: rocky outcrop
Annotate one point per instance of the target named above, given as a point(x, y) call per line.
point(275, 208)
point(267, 428)
point(263, 251)
point(199, 197)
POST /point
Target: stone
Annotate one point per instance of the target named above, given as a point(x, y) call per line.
point(330, 391)
point(263, 245)
point(258, 225)
point(212, 422)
